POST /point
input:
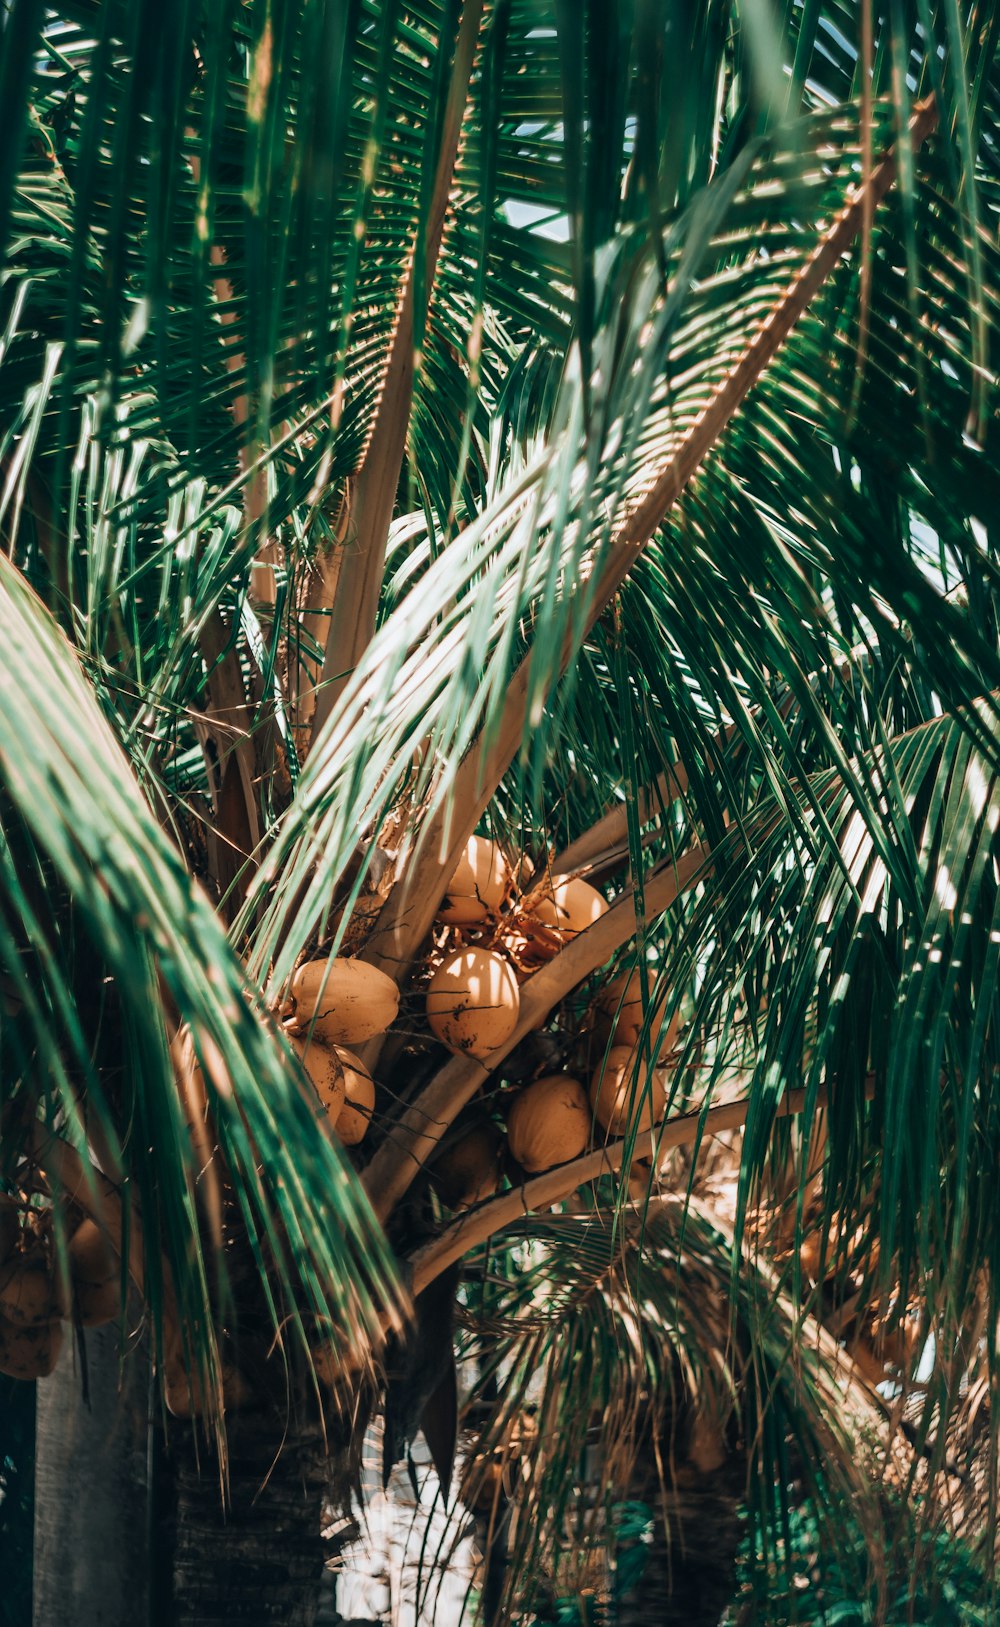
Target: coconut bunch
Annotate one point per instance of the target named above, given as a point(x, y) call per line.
point(492, 942)
point(38, 1294)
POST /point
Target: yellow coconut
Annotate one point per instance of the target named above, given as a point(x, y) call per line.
point(359, 1104)
point(29, 1294)
point(326, 1071)
point(29, 1352)
point(623, 1101)
point(570, 907)
point(468, 1170)
point(95, 1274)
point(473, 1001)
point(9, 1227)
point(343, 1001)
point(479, 885)
point(549, 1123)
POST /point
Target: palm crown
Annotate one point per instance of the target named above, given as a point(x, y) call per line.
point(566, 422)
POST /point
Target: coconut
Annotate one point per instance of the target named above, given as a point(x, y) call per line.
point(343, 1001)
point(326, 1071)
point(570, 907)
point(359, 1091)
point(29, 1353)
point(468, 1170)
point(549, 1123)
point(183, 1393)
point(473, 1001)
point(479, 885)
point(95, 1275)
point(622, 1000)
point(9, 1227)
point(621, 1102)
point(28, 1292)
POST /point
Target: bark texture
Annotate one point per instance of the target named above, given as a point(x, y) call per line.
point(259, 1557)
point(92, 1551)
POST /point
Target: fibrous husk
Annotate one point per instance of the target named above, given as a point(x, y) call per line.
point(343, 1001)
point(479, 885)
point(468, 1168)
point(29, 1293)
point(29, 1352)
point(359, 1099)
point(473, 1001)
point(570, 907)
point(624, 1099)
point(549, 1123)
point(95, 1276)
point(326, 1070)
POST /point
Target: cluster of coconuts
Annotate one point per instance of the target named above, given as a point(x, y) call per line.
point(473, 997)
point(337, 1003)
point(473, 1006)
point(36, 1297)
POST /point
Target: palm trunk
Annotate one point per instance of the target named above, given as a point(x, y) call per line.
point(260, 1556)
point(92, 1548)
point(688, 1577)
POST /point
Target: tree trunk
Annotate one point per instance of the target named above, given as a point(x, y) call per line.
point(259, 1556)
point(688, 1577)
point(92, 1547)
point(17, 1500)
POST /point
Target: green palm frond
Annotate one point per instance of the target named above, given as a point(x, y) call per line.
point(610, 1347)
point(769, 508)
point(96, 902)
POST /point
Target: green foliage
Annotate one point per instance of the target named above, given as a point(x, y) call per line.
point(937, 1582)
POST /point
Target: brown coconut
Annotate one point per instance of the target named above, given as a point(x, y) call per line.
point(570, 907)
point(468, 1170)
point(29, 1294)
point(622, 1001)
point(343, 1001)
point(479, 885)
point(549, 1123)
point(473, 1001)
point(623, 1101)
point(359, 1099)
point(325, 1069)
point(185, 1397)
point(95, 1275)
point(29, 1352)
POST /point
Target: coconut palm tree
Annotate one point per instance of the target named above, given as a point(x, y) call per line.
point(566, 425)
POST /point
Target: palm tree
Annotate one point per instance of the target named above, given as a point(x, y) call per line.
point(569, 424)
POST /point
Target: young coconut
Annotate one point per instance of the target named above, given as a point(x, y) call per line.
point(325, 1069)
point(621, 1101)
point(479, 885)
point(359, 1103)
point(549, 1123)
point(468, 1170)
point(343, 1001)
point(95, 1276)
point(570, 907)
point(473, 1001)
point(29, 1294)
point(29, 1353)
